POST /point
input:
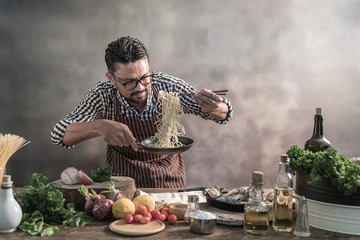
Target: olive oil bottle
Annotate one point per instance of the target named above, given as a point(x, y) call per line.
point(256, 211)
point(283, 199)
point(318, 142)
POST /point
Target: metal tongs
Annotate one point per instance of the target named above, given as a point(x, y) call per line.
point(218, 92)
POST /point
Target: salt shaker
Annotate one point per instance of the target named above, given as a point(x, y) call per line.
point(11, 213)
point(302, 228)
point(193, 205)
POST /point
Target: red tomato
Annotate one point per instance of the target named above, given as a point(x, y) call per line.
point(147, 214)
point(142, 209)
point(165, 209)
point(129, 218)
point(162, 217)
point(144, 220)
point(166, 214)
point(155, 213)
point(137, 217)
point(172, 219)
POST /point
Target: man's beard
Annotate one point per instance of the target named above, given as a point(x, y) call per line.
point(137, 101)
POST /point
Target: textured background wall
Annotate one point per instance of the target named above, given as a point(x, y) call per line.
point(280, 60)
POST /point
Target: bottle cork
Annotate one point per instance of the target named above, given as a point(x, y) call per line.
point(319, 111)
point(257, 177)
point(284, 157)
point(6, 179)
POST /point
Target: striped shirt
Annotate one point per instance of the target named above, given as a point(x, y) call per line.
point(98, 104)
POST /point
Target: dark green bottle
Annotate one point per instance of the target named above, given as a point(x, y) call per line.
point(318, 142)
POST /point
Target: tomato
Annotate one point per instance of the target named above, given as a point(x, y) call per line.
point(137, 217)
point(147, 214)
point(142, 209)
point(144, 220)
point(172, 219)
point(165, 209)
point(162, 217)
point(166, 214)
point(129, 218)
point(155, 213)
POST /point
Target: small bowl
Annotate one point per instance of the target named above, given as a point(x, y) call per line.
point(202, 225)
point(178, 210)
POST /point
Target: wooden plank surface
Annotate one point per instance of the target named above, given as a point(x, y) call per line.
point(100, 230)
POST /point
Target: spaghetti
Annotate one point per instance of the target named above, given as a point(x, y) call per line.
point(9, 144)
point(168, 123)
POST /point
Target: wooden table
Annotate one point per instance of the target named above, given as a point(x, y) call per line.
point(100, 230)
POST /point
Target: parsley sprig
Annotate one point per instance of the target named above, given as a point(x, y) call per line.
point(101, 174)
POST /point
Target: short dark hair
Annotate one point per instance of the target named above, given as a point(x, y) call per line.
point(124, 50)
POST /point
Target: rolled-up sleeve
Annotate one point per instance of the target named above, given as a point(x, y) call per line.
point(90, 108)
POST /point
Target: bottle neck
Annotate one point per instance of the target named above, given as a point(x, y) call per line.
point(284, 177)
point(256, 193)
point(318, 126)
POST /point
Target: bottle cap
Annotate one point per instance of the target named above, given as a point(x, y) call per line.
point(319, 111)
point(257, 177)
point(193, 198)
point(284, 157)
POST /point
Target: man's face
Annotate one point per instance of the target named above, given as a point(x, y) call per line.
point(129, 72)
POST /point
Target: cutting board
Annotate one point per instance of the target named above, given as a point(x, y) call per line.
point(136, 229)
point(71, 194)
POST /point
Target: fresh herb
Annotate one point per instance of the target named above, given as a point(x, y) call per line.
point(43, 204)
point(79, 219)
point(333, 234)
point(34, 223)
point(47, 199)
point(101, 174)
point(342, 172)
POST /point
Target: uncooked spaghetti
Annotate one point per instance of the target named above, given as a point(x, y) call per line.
point(9, 144)
point(168, 123)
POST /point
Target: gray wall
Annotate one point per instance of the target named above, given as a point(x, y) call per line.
point(280, 59)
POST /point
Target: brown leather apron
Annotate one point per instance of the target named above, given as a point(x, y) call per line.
point(149, 170)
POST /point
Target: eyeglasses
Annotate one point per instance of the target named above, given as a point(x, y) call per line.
point(131, 85)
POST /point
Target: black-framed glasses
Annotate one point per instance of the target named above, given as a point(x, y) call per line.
point(131, 85)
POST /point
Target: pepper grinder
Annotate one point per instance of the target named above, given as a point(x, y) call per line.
point(10, 210)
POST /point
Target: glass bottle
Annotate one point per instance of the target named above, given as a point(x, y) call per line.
point(283, 199)
point(318, 142)
point(193, 205)
point(10, 210)
point(256, 211)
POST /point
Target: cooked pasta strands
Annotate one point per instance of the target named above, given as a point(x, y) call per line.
point(168, 123)
point(9, 144)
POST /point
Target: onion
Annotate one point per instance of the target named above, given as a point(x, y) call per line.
point(102, 209)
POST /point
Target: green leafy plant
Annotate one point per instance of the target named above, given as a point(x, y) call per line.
point(34, 223)
point(43, 204)
point(101, 174)
point(342, 172)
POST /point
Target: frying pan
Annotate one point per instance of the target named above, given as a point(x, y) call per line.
point(187, 142)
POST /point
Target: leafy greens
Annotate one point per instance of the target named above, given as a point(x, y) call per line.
point(342, 172)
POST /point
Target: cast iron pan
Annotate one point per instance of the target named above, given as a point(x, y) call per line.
point(233, 207)
point(184, 140)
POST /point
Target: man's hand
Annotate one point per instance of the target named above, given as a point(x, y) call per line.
point(117, 134)
point(211, 103)
point(114, 133)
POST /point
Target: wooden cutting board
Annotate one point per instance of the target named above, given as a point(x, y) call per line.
point(71, 194)
point(136, 229)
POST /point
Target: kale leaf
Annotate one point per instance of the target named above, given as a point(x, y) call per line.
point(342, 172)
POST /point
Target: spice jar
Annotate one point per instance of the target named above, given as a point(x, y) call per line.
point(193, 205)
point(11, 213)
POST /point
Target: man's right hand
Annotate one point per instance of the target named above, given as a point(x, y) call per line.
point(114, 133)
point(117, 134)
